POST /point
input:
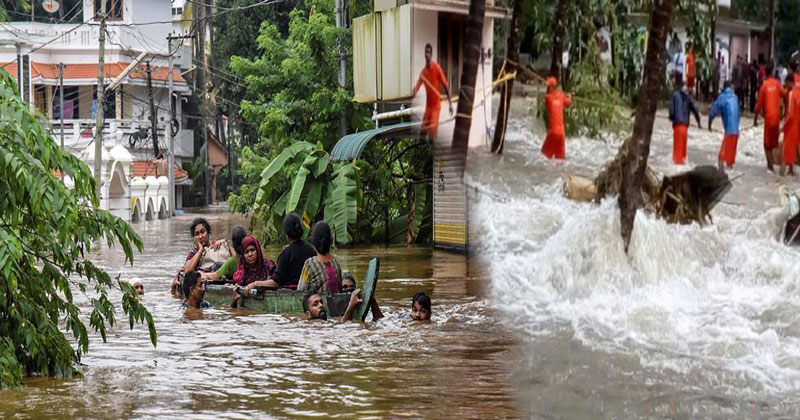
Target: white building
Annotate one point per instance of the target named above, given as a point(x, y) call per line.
point(133, 27)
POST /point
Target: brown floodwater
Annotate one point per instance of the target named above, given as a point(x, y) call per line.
point(237, 364)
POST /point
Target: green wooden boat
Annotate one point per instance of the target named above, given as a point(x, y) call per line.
point(291, 301)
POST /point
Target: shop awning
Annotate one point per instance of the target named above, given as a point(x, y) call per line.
point(351, 145)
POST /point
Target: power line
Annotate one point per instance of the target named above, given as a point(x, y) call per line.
point(224, 12)
point(220, 70)
point(219, 74)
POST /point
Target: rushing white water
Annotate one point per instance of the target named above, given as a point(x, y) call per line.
point(719, 303)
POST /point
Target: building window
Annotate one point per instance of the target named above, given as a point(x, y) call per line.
point(113, 7)
point(71, 102)
point(177, 11)
point(452, 31)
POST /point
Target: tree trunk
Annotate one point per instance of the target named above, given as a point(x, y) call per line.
point(716, 72)
point(635, 161)
point(412, 211)
point(469, 72)
point(558, 38)
point(506, 91)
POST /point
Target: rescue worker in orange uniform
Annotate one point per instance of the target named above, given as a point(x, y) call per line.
point(680, 105)
point(432, 76)
point(791, 127)
point(690, 68)
point(769, 102)
point(554, 144)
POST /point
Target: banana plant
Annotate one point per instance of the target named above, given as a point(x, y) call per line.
point(312, 189)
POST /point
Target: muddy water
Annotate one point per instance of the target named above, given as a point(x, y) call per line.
point(230, 364)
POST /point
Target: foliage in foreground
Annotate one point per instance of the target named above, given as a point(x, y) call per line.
point(46, 230)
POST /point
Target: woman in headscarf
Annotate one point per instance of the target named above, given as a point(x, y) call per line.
point(321, 273)
point(252, 268)
point(252, 264)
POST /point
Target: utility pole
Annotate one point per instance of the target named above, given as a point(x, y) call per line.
point(201, 52)
point(98, 132)
point(61, 103)
point(153, 111)
point(20, 85)
point(220, 129)
point(171, 142)
point(340, 23)
point(231, 161)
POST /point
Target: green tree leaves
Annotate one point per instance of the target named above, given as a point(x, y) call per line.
point(308, 164)
point(46, 232)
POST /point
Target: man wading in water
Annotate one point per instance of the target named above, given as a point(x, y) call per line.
point(315, 308)
point(195, 291)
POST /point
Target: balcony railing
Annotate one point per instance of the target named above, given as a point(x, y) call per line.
point(133, 134)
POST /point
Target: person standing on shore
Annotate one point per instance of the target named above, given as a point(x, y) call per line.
point(769, 102)
point(727, 104)
point(680, 106)
point(791, 127)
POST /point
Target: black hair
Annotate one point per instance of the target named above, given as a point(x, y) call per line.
point(770, 70)
point(292, 226)
point(199, 221)
point(237, 236)
point(321, 237)
point(189, 281)
point(423, 299)
point(306, 296)
point(728, 83)
point(428, 45)
point(348, 275)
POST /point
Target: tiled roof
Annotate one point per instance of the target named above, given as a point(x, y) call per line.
point(89, 71)
point(144, 168)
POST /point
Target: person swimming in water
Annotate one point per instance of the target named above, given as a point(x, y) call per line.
point(139, 288)
point(348, 282)
point(421, 307)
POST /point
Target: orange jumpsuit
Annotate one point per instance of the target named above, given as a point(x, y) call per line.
point(432, 76)
point(769, 100)
point(791, 128)
point(690, 70)
point(554, 144)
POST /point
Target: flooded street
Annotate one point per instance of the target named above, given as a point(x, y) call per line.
point(696, 322)
point(236, 364)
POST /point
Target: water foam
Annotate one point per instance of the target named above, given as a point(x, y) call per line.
point(686, 298)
